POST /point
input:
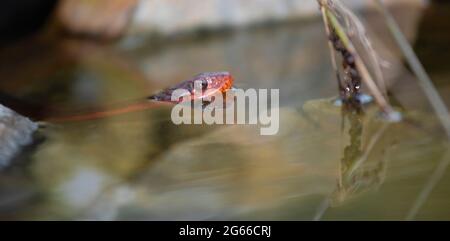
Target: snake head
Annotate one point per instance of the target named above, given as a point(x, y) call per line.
point(209, 82)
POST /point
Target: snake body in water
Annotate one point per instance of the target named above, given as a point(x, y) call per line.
point(211, 83)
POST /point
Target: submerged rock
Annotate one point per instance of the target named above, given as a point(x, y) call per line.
point(15, 132)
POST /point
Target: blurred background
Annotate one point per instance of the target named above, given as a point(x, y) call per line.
point(74, 55)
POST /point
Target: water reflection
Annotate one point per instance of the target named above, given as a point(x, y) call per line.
point(356, 173)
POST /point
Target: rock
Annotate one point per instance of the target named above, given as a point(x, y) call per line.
point(15, 132)
point(173, 16)
point(170, 16)
point(112, 18)
point(102, 18)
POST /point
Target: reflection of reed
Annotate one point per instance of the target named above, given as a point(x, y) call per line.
point(356, 173)
point(353, 151)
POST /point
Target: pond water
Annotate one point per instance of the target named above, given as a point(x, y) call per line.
point(323, 164)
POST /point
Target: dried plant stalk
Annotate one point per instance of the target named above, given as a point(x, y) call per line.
point(341, 41)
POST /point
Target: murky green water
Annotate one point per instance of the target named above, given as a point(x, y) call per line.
point(323, 163)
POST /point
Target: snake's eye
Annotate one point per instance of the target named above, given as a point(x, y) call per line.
point(204, 85)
